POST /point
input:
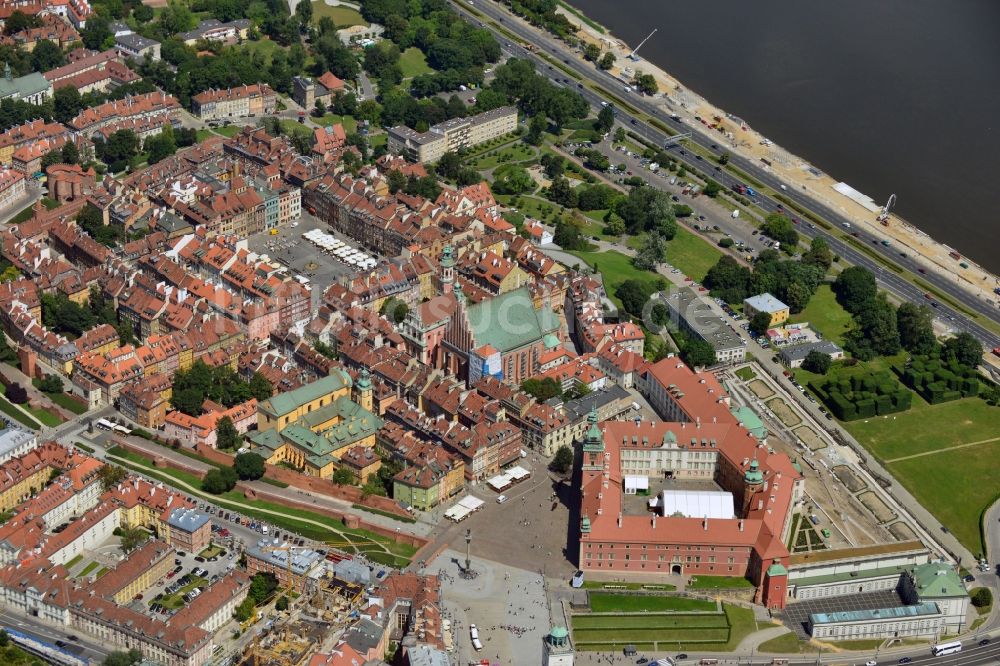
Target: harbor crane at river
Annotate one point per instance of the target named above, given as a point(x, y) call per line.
point(883, 216)
point(633, 56)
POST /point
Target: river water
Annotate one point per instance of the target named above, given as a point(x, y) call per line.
point(889, 96)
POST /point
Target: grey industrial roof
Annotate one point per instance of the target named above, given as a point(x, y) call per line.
point(188, 520)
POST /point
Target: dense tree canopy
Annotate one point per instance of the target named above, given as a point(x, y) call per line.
point(916, 329)
point(199, 382)
point(647, 209)
point(249, 466)
point(855, 287)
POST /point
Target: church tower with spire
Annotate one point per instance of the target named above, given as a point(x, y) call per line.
point(447, 270)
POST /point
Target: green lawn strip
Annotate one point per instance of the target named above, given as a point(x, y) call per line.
point(293, 127)
point(608, 602)
point(784, 644)
point(102, 571)
point(228, 130)
point(73, 562)
point(825, 315)
point(718, 582)
point(746, 374)
point(341, 16)
point(413, 63)
point(664, 636)
point(529, 206)
point(50, 204)
point(203, 134)
point(23, 216)
point(83, 447)
point(273, 482)
point(43, 415)
point(11, 655)
point(87, 569)
point(211, 551)
point(288, 517)
point(651, 621)
point(741, 623)
point(263, 46)
point(956, 487)
point(68, 402)
point(16, 414)
point(376, 140)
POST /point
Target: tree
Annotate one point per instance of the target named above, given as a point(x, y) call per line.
point(605, 119)
point(281, 604)
point(724, 159)
point(260, 387)
point(647, 209)
point(875, 332)
point(620, 134)
point(249, 466)
point(615, 225)
point(982, 597)
point(711, 189)
point(245, 610)
point(916, 328)
point(50, 384)
point(161, 146)
point(569, 236)
point(728, 280)
point(646, 83)
point(965, 349)
point(111, 476)
point(651, 254)
point(634, 294)
point(818, 254)
point(394, 309)
point(218, 481)
point(46, 55)
point(304, 13)
point(7, 355)
point(70, 153)
point(66, 103)
point(759, 323)
point(562, 192)
point(262, 587)
point(698, 353)
point(512, 179)
point(816, 361)
point(562, 462)
point(142, 14)
point(131, 538)
point(855, 287)
point(536, 126)
point(780, 228)
point(226, 434)
point(607, 61)
point(343, 477)
point(542, 389)
point(120, 658)
point(16, 393)
point(98, 33)
point(18, 21)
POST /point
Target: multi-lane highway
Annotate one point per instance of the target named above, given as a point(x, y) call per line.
point(583, 71)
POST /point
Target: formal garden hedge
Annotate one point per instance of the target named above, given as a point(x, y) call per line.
point(863, 396)
point(939, 380)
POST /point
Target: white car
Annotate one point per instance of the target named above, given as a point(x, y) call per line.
point(871, 662)
point(501, 499)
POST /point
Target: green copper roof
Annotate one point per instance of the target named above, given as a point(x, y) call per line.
point(777, 569)
point(750, 421)
point(594, 441)
point(559, 632)
point(585, 525)
point(754, 475)
point(283, 403)
point(364, 380)
point(935, 580)
point(510, 321)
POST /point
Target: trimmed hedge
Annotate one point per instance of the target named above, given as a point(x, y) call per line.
point(863, 396)
point(938, 380)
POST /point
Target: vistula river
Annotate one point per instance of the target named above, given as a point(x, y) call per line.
point(889, 96)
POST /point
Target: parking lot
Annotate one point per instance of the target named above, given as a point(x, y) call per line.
point(289, 248)
point(191, 574)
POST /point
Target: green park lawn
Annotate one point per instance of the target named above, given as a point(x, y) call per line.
point(228, 130)
point(518, 152)
point(342, 17)
point(825, 315)
point(615, 268)
point(413, 63)
point(349, 123)
point(16, 414)
point(956, 485)
point(264, 47)
point(609, 602)
point(692, 254)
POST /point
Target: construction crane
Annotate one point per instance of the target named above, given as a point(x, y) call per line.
point(883, 216)
point(633, 56)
